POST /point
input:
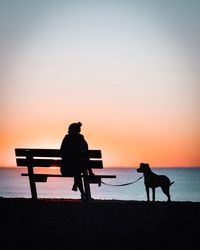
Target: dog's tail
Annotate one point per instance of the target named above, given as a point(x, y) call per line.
point(171, 183)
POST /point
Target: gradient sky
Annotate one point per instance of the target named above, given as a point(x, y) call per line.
point(128, 70)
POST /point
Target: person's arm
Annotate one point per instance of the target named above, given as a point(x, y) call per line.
point(85, 147)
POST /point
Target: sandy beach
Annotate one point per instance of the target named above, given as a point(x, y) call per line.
point(101, 224)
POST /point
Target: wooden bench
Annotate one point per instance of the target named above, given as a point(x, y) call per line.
point(30, 158)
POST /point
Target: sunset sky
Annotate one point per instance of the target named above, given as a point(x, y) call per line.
point(128, 70)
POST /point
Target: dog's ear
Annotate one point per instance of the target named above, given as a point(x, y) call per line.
point(147, 165)
point(142, 164)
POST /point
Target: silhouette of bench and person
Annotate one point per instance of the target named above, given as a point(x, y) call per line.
point(74, 153)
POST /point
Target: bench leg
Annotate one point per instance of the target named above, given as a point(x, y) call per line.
point(86, 185)
point(32, 183)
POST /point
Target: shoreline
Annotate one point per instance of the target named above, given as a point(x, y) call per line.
point(108, 224)
point(76, 200)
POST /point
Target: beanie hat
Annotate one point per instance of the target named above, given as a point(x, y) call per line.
point(75, 127)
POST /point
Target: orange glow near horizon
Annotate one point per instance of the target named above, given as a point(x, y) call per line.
point(122, 149)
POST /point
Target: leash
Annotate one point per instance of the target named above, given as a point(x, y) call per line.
point(125, 184)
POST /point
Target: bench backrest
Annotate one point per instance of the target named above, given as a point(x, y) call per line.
point(51, 157)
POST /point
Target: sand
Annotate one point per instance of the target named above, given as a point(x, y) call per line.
point(101, 224)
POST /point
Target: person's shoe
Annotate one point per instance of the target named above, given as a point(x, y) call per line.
point(83, 197)
point(74, 188)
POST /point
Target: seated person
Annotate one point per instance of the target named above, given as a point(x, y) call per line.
point(74, 153)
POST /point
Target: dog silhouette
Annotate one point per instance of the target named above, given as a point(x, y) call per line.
point(152, 180)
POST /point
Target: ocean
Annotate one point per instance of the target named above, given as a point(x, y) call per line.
point(185, 188)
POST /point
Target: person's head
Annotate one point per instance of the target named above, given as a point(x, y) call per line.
point(75, 128)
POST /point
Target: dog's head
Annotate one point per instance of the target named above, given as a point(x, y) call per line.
point(144, 167)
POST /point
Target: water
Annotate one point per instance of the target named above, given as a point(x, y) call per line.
point(185, 188)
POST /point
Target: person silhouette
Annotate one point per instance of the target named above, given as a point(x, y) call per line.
point(74, 153)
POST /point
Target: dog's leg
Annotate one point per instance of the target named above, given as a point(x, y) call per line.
point(153, 194)
point(147, 191)
point(166, 192)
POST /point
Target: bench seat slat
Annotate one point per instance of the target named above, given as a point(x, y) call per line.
point(96, 179)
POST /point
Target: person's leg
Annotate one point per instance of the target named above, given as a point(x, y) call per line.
point(78, 182)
